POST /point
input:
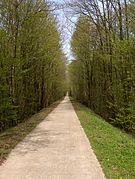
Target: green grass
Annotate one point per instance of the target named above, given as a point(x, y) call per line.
point(11, 137)
point(114, 149)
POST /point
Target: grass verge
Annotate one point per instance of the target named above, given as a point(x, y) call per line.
point(11, 137)
point(114, 149)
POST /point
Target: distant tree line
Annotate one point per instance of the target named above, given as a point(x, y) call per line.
point(32, 65)
point(102, 76)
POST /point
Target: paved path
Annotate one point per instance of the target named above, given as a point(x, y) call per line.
point(56, 149)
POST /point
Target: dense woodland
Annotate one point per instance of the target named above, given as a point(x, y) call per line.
point(102, 76)
point(32, 64)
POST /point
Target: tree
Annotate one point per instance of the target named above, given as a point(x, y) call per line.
point(31, 60)
point(103, 46)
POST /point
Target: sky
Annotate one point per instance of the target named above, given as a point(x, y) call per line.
point(66, 23)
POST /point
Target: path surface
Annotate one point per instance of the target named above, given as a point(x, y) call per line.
point(56, 149)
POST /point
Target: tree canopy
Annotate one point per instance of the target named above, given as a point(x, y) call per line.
point(102, 76)
point(32, 64)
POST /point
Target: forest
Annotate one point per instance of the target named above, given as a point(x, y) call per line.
point(32, 64)
point(102, 75)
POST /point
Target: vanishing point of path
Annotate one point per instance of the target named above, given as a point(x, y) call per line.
point(56, 149)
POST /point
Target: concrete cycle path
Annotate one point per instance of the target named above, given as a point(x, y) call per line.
point(57, 149)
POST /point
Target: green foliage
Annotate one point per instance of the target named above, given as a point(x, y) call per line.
point(32, 65)
point(102, 76)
